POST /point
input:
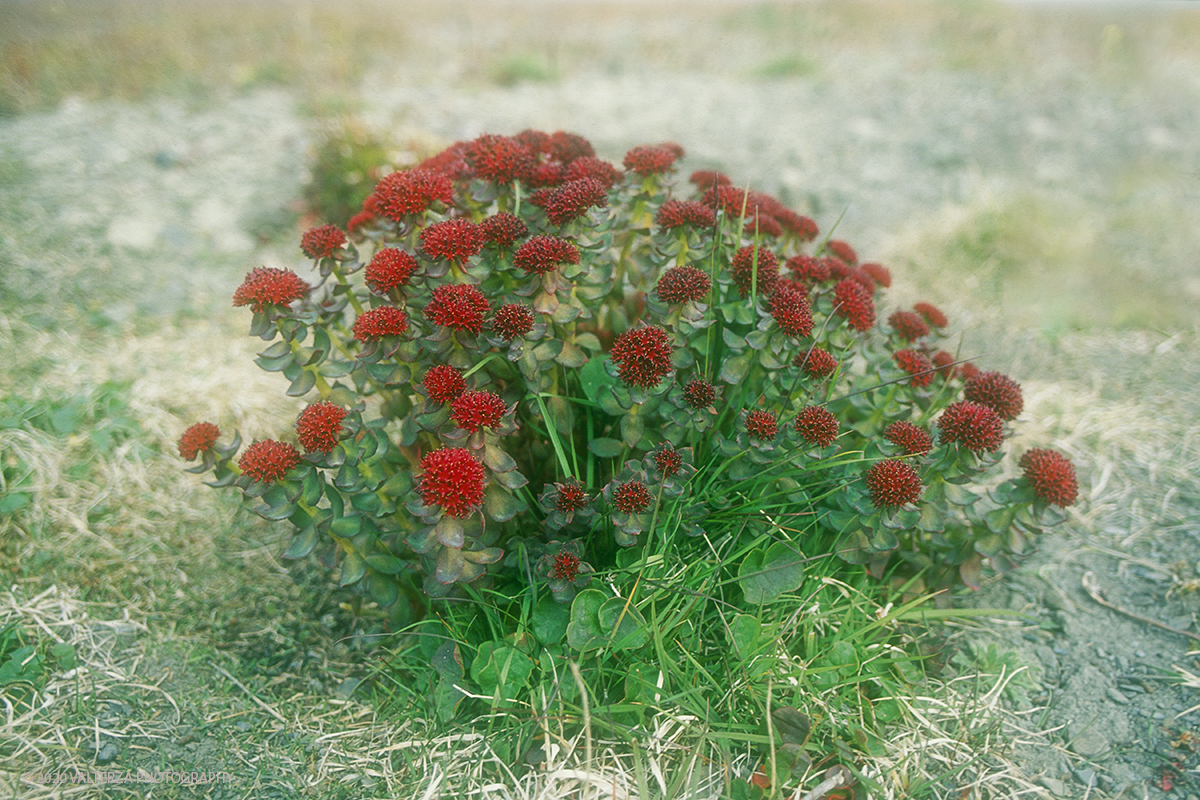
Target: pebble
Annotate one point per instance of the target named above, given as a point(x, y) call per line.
point(1090, 744)
point(1159, 715)
point(1116, 696)
point(1140, 653)
point(1086, 776)
point(1056, 787)
point(108, 753)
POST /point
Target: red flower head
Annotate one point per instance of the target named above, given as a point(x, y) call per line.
point(411, 192)
point(842, 250)
point(512, 320)
point(537, 141)
point(763, 225)
point(451, 162)
point(571, 497)
point(744, 266)
point(443, 383)
point(573, 199)
point(594, 168)
point(266, 286)
point(1051, 475)
point(944, 362)
point(504, 229)
point(699, 394)
point(500, 159)
point(997, 391)
point(389, 269)
point(909, 325)
point(854, 303)
point(200, 438)
point(377, 323)
point(915, 364)
point(802, 227)
point(974, 426)
point(912, 440)
point(643, 356)
point(650, 160)
point(319, 426)
point(791, 312)
point(549, 173)
point(566, 148)
point(893, 483)
point(878, 273)
point(816, 362)
point(543, 254)
point(816, 425)
point(566, 567)
point(967, 370)
point(761, 425)
point(460, 306)
point(631, 497)
point(474, 410)
point(453, 479)
point(359, 221)
point(668, 461)
point(706, 179)
point(321, 242)
point(453, 239)
point(676, 213)
point(807, 268)
point(932, 314)
point(268, 461)
point(683, 285)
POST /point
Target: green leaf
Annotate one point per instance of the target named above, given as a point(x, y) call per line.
point(571, 356)
point(385, 562)
point(607, 400)
point(843, 658)
point(305, 381)
point(735, 369)
point(766, 574)
point(347, 526)
point(314, 487)
point(625, 625)
point(999, 520)
point(500, 505)
point(13, 501)
point(277, 363)
point(302, 543)
point(606, 448)
point(383, 589)
point(583, 629)
point(632, 428)
point(550, 620)
point(500, 667)
point(354, 566)
point(366, 502)
point(743, 635)
point(64, 655)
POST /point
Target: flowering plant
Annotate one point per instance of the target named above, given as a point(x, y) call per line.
point(526, 362)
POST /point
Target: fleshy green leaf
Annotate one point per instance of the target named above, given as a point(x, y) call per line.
point(606, 448)
point(767, 574)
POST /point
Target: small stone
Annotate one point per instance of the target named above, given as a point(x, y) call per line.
point(1086, 776)
point(1047, 657)
point(242, 725)
point(1159, 715)
point(108, 753)
point(1117, 697)
point(1090, 743)
point(1140, 653)
point(1056, 787)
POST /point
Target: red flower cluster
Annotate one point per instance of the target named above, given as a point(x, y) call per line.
point(411, 192)
point(807, 268)
point(642, 355)
point(566, 566)
point(390, 268)
point(976, 427)
point(699, 394)
point(745, 266)
point(816, 362)
point(914, 441)
point(322, 241)
point(791, 312)
point(573, 199)
point(543, 254)
point(453, 479)
point(500, 159)
point(683, 285)
point(268, 286)
point(200, 438)
point(377, 323)
point(909, 325)
point(842, 250)
point(571, 497)
point(268, 461)
point(932, 314)
point(668, 461)
point(592, 167)
point(816, 425)
point(632, 497)
point(854, 303)
point(452, 239)
point(915, 364)
point(878, 273)
point(944, 363)
point(651, 160)
point(893, 484)
point(997, 391)
point(443, 383)
point(1051, 475)
point(460, 306)
point(706, 179)
point(474, 410)
point(761, 425)
point(676, 213)
point(503, 229)
point(512, 320)
point(319, 426)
